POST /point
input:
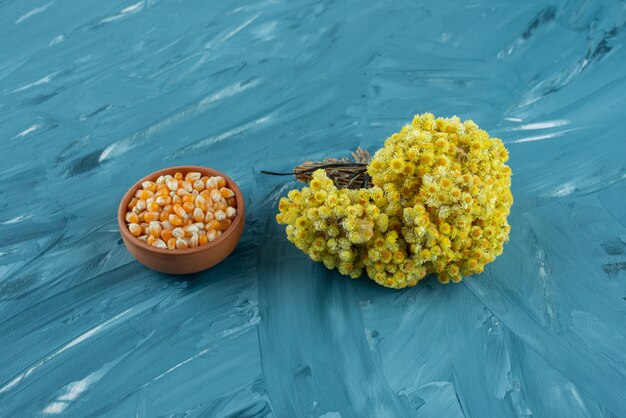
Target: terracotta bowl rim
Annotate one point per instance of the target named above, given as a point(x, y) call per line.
point(123, 208)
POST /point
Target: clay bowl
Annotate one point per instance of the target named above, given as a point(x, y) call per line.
point(189, 260)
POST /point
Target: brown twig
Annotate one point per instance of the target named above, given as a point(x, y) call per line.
point(343, 172)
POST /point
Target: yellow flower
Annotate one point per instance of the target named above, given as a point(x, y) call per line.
point(438, 203)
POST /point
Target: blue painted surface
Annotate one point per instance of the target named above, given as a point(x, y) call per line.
point(94, 95)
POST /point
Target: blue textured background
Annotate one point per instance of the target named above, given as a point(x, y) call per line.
point(94, 95)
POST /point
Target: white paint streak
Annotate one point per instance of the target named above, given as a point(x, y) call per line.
point(564, 190)
point(26, 131)
point(54, 408)
point(132, 9)
point(542, 125)
point(229, 134)
point(32, 13)
point(182, 363)
point(75, 389)
point(544, 136)
point(232, 33)
point(43, 80)
point(16, 219)
point(57, 40)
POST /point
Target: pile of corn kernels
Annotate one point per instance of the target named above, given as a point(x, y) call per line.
point(181, 211)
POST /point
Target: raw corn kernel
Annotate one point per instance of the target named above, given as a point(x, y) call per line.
point(159, 243)
point(198, 215)
point(135, 229)
point(183, 210)
point(226, 192)
point(214, 224)
point(178, 232)
point(220, 215)
point(132, 218)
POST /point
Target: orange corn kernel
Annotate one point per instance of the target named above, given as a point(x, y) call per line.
point(187, 222)
point(190, 230)
point(226, 192)
point(162, 191)
point(159, 243)
point(225, 224)
point(151, 216)
point(131, 217)
point(181, 192)
point(178, 232)
point(211, 183)
point(178, 209)
point(192, 176)
point(163, 200)
point(132, 203)
point(220, 181)
point(135, 229)
point(211, 234)
point(172, 185)
point(150, 239)
point(187, 186)
point(203, 239)
point(220, 206)
point(144, 194)
point(178, 176)
point(189, 207)
point(171, 243)
point(155, 229)
point(200, 203)
point(209, 217)
point(175, 220)
point(181, 244)
point(177, 199)
point(206, 195)
point(198, 185)
point(198, 215)
point(167, 225)
point(204, 179)
point(220, 215)
point(216, 196)
point(188, 198)
point(141, 205)
point(166, 234)
point(163, 216)
point(154, 206)
point(213, 224)
point(149, 185)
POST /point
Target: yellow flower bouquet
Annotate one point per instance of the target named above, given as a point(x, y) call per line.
point(434, 199)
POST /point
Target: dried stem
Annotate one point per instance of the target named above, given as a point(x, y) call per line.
point(343, 172)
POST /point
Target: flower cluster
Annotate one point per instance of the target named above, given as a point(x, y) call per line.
point(439, 204)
